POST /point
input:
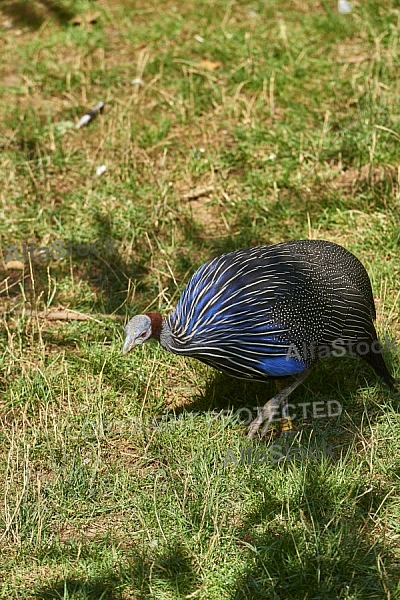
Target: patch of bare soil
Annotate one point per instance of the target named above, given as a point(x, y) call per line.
point(371, 174)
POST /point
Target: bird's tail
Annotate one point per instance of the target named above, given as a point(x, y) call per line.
point(374, 358)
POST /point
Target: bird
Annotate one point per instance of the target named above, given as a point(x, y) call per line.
point(271, 312)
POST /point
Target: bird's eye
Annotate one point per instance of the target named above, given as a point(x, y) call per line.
point(143, 335)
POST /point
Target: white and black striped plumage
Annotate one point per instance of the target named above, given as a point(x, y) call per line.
point(270, 311)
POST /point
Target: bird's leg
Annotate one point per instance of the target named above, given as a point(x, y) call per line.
point(286, 422)
point(270, 409)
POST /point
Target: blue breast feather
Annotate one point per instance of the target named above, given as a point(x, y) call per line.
point(222, 318)
point(226, 296)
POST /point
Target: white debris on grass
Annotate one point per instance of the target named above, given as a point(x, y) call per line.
point(137, 81)
point(344, 7)
point(89, 115)
point(100, 170)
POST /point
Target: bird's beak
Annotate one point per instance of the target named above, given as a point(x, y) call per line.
point(128, 345)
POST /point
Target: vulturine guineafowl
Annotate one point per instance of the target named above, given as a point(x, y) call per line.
point(271, 311)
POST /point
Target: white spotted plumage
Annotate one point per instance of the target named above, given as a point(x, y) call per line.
point(241, 312)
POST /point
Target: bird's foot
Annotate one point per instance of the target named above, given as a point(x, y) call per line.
point(266, 416)
point(270, 411)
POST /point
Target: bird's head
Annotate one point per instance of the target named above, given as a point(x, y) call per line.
point(140, 329)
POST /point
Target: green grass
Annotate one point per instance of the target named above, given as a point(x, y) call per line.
point(288, 113)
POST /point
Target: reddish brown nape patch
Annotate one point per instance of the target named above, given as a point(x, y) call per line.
point(156, 324)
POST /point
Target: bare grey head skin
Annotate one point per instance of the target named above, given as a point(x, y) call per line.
point(140, 329)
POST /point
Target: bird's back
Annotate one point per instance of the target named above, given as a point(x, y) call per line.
point(242, 312)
